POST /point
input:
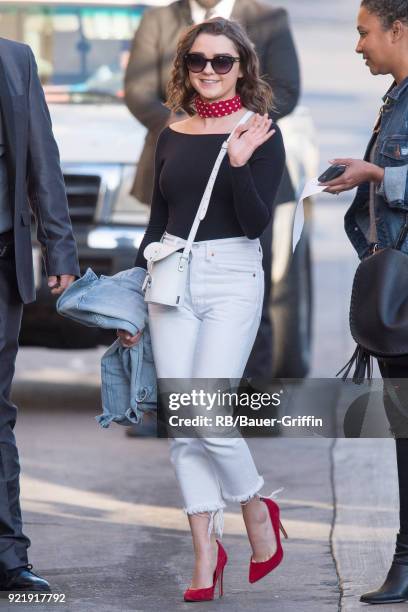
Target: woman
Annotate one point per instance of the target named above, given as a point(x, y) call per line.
point(215, 80)
point(382, 187)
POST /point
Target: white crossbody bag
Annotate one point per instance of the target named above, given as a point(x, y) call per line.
point(167, 270)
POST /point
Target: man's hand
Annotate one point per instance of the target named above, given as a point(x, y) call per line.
point(357, 172)
point(58, 284)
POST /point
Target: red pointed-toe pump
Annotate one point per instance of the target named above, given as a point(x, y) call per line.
point(208, 593)
point(258, 570)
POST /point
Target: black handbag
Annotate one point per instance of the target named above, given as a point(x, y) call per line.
point(379, 308)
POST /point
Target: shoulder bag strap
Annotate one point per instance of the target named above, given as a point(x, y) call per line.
point(202, 209)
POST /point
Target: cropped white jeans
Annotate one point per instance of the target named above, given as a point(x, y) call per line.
point(211, 336)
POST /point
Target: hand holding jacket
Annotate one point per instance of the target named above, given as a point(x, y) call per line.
point(127, 340)
point(128, 373)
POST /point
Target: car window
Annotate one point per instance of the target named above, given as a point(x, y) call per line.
point(81, 51)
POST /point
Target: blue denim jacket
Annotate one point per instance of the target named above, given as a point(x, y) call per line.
point(391, 201)
point(128, 374)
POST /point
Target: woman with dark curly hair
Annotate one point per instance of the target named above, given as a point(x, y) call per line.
point(216, 80)
point(376, 220)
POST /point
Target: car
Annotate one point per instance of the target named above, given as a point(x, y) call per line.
point(81, 50)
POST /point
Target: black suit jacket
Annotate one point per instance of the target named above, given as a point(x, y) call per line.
point(151, 59)
point(35, 179)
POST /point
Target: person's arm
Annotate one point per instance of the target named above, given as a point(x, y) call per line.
point(142, 77)
point(282, 65)
point(46, 188)
point(255, 185)
point(357, 172)
point(159, 212)
point(154, 231)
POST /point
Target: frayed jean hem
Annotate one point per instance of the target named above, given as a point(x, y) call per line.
point(246, 497)
point(216, 517)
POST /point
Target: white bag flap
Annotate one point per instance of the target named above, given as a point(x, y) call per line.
point(157, 250)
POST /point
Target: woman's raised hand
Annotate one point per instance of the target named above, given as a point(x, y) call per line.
point(248, 137)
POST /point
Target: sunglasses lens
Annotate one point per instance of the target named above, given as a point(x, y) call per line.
point(195, 62)
point(222, 64)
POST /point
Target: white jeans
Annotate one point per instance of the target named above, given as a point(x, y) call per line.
point(211, 336)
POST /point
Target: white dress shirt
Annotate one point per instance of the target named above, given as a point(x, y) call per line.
point(222, 9)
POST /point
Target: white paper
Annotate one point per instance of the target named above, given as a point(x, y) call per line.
point(311, 188)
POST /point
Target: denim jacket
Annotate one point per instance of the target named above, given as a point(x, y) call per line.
point(128, 374)
point(391, 199)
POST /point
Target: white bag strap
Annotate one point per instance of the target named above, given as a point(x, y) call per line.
point(205, 200)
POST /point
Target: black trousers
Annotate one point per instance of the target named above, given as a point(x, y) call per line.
point(260, 360)
point(398, 418)
point(13, 543)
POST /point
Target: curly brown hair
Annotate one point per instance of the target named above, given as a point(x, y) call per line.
point(256, 94)
point(388, 11)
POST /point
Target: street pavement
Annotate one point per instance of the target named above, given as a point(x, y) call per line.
point(103, 510)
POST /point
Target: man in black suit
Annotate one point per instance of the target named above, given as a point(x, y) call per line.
point(30, 182)
point(147, 75)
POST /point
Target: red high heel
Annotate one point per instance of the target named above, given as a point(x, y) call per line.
point(208, 593)
point(258, 570)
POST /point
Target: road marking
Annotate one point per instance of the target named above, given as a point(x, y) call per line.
point(42, 497)
point(58, 375)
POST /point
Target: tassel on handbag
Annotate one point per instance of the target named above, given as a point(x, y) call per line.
point(363, 361)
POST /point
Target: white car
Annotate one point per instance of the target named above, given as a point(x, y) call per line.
point(81, 50)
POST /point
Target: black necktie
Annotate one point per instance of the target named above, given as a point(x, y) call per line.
point(209, 13)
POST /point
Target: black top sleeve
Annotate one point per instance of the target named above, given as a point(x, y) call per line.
point(159, 212)
point(255, 185)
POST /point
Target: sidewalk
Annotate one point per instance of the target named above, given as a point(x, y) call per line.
point(366, 516)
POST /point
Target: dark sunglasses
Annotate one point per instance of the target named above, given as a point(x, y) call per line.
point(221, 64)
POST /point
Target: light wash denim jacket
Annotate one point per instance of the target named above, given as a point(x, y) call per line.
point(391, 201)
point(128, 374)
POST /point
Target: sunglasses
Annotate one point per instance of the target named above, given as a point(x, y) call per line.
point(221, 64)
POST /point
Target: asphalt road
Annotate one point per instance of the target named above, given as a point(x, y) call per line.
point(103, 510)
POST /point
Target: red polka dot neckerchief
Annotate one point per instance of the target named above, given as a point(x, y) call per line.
point(217, 109)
